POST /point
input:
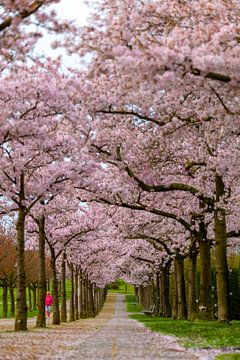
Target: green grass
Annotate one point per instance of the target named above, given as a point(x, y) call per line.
point(228, 357)
point(132, 305)
point(197, 334)
point(29, 314)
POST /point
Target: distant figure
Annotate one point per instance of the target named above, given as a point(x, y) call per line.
point(48, 303)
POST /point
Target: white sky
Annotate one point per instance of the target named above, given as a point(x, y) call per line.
point(67, 9)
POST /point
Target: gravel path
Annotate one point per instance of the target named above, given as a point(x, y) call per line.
point(112, 335)
point(122, 338)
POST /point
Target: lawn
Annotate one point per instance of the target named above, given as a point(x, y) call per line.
point(228, 357)
point(197, 334)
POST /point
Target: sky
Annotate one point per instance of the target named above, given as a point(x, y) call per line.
point(67, 9)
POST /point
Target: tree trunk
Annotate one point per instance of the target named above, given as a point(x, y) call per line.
point(182, 306)
point(84, 300)
point(136, 293)
point(81, 295)
point(91, 302)
point(70, 265)
point(5, 300)
point(41, 317)
point(96, 299)
point(160, 291)
point(222, 276)
point(76, 311)
point(86, 293)
point(29, 299)
point(192, 293)
point(94, 293)
point(205, 296)
point(157, 295)
point(60, 287)
point(56, 312)
point(175, 293)
point(63, 290)
point(21, 314)
point(12, 300)
point(166, 308)
point(34, 291)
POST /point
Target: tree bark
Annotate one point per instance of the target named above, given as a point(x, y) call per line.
point(76, 309)
point(205, 296)
point(136, 288)
point(81, 310)
point(182, 306)
point(158, 307)
point(63, 290)
point(34, 290)
point(29, 299)
point(222, 276)
point(21, 314)
point(166, 308)
point(56, 312)
point(4, 300)
point(83, 297)
point(41, 317)
point(192, 293)
point(91, 302)
point(86, 295)
point(12, 300)
point(70, 265)
point(175, 293)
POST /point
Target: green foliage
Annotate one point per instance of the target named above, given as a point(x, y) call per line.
point(198, 334)
point(120, 287)
point(114, 285)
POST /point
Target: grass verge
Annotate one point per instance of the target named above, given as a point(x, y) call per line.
point(228, 357)
point(197, 334)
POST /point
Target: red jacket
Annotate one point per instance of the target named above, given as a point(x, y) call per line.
point(48, 300)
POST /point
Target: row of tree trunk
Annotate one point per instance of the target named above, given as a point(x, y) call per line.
point(9, 289)
point(86, 298)
point(5, 289)
point(186, 302)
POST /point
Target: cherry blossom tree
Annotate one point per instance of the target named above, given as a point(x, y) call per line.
point(153, 62)
point(22, 24)
point(35, 149)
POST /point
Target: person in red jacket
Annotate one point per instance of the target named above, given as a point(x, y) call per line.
point(48, 303)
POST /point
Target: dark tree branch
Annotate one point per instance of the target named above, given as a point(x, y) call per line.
point(133, 113)
point(171, 187)
point(33, 8)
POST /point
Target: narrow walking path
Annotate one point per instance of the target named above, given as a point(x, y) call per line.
point(122, 338)
point(112, 335)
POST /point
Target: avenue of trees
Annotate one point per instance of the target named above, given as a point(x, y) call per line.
point(129, 166)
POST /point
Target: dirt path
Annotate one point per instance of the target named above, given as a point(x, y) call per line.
point(112, 335)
